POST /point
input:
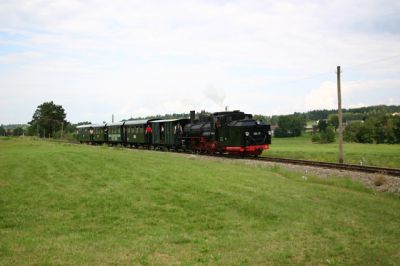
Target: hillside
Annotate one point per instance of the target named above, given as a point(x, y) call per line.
point(77, 204)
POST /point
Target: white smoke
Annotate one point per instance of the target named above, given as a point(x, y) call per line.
point(215, 95)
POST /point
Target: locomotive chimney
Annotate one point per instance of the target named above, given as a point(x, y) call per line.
point(192, 116)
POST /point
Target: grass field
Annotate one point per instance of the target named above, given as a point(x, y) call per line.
point(385, 155)
point(77, 204)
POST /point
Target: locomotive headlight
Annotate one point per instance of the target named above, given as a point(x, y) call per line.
point(270, 132)
point(247, 133)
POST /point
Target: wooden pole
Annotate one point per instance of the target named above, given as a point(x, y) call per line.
point(340, 115)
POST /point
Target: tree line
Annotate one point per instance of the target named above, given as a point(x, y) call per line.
point(373, 124)
point(382, 128)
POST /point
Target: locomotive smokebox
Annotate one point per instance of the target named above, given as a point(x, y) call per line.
point(192, 116)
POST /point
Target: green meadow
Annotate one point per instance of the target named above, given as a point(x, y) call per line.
point(384, 155)
point(80, 204)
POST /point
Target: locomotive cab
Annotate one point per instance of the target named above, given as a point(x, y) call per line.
point(238, 133)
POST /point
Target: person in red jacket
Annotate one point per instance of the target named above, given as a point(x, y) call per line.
point(149, 131)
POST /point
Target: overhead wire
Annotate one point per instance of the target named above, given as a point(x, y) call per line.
point(346, 68)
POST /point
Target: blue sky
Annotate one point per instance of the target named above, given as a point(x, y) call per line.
point(138, 58)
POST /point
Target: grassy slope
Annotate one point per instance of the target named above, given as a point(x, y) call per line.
point(384, 155)
point(81, 204)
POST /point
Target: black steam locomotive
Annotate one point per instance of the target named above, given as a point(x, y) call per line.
point(222, 132)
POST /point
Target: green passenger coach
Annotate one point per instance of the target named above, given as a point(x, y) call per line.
point(85, 133)
point(168, 132)
point(115, 132)
point(135, 132)
point(100, 133)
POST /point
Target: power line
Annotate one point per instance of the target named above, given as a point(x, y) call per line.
point(374, 61)
point(330, 72)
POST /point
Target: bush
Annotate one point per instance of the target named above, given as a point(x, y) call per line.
point(328, 136)
point(378, 129)
point(379, 180)
point(325, 136)
point(316, 137)
point(290, 126)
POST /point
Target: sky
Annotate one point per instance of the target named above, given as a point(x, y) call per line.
point(140, 58)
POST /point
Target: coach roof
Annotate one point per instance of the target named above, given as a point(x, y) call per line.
point(136, 122)
point(115, 124)
point(85, 126)
point(99, 125)
point(169, 120)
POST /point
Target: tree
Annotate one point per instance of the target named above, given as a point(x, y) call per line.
point(47, 119)
point(2, 131)
point(328, 135)
point(325, 133)
point(19, 131)
point(351, 131)
point(333, 120)
point(322, 125)
point(396, 128)
point(290, 125)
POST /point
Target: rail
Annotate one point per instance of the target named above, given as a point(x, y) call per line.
point(350, 167)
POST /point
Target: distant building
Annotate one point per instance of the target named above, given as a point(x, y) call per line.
point(273, 128)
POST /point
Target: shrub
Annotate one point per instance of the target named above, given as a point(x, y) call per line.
point(379, 180)
point(325, 136)
point(316, 137)
point(328, 136)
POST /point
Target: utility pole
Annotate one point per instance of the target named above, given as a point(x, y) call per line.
point(62, 129)
point(112, 118)
point(340, 115)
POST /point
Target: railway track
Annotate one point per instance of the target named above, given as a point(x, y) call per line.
point(349, 167)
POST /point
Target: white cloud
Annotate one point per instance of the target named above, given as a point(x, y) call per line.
point(354, 94)
point(325, 97)
point(144, 58)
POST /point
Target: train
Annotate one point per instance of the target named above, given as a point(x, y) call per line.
point(227, 132)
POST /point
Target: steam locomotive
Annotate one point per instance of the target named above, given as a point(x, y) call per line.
point(229, 132)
